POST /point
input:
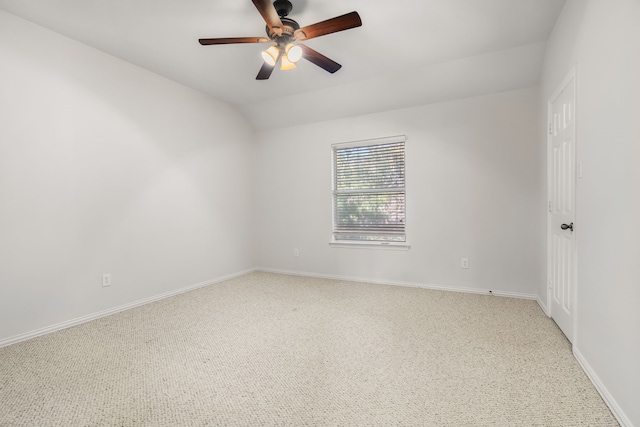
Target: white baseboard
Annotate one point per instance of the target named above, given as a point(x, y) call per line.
point(604, 392)
point(107, 312)
point(406, 284)
point(543, 306)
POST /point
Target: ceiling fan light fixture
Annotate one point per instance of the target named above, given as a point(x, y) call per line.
point(270, 56)
point(285, 64)
point(294, 52)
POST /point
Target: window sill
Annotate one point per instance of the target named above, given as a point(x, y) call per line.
point(393, 246)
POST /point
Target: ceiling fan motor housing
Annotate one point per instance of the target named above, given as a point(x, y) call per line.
point(289, 26)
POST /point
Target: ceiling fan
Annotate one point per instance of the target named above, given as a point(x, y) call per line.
point(284, 32)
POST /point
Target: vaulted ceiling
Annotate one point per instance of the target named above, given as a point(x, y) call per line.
point(407, 52)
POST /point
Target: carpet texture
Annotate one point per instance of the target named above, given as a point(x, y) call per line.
point(273, 350)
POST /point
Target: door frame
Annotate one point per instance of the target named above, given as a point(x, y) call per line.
point(577, 171)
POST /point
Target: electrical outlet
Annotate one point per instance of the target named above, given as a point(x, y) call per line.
point(106, 280)
point(465, 263)
point(296, 252)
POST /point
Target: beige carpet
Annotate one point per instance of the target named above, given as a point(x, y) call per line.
point(273, 350)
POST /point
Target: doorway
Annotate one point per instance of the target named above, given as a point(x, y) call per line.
point(561, 233)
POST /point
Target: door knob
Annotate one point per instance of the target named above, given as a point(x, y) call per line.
point(565, 226)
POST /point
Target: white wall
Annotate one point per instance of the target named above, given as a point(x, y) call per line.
point(474, 189)
point(107, 168)
point(603, 39)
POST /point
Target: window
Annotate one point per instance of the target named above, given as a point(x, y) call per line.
point(369, 191)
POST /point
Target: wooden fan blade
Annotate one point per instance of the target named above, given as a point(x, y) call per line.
point(269, 15)
point(232, 40)
point(333, 25)
point(319, 59)
point(265, 71)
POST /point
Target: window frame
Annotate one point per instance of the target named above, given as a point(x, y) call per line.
point(369, 244)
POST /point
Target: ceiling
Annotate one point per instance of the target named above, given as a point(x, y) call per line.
point(407, 52)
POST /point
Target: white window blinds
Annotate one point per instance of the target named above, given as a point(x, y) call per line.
point(369, 190)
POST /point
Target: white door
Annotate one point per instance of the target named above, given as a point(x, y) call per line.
point(561, 166)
